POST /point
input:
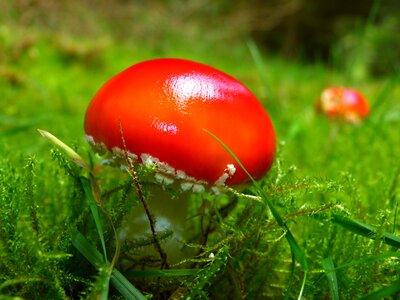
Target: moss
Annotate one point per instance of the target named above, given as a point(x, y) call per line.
point(322, 170)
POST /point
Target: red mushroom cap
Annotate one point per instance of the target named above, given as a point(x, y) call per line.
point(163, 106)
point(346, 103)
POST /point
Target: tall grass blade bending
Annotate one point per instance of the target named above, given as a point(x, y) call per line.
point(295, 248)
point(94, 257)
point(366, 230)
point(329, 269)
point(95, 212)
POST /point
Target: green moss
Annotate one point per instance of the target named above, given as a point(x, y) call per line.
point(336, 186)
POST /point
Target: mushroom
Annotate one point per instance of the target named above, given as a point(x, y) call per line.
point(164, 107)
point(343, 103)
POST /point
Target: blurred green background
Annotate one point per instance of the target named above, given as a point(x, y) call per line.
point(55, 55)
point(308, 29)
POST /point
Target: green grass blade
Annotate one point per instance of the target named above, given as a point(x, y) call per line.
point(68, 150)
point(388, 291)
point(105, 285)
point(292, 278)
point(95, 212)
point(94, 257)
point(303, 285)
point(126, 288)
point(161, 273)
point(87, 250)
point(368, 259)
point(330, 273)
point(295, 248)
point(366, 230)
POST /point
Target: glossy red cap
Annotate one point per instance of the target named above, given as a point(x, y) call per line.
point(345, 103)
point(164, 105)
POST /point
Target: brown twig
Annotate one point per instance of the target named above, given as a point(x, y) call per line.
point(136, 184)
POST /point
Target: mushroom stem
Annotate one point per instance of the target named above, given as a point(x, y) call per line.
point(171, 229)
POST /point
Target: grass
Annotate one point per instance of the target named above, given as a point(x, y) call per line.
point(323, 223)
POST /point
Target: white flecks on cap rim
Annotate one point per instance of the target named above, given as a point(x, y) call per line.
point(186, 186)
point(161, 178)
point(161, 166)
point(197, 187)
point(229, 171)
point(164, 173)
point(117, 152)
point(98, 147)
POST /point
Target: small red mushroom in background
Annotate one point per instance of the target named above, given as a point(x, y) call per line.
point(164, 107)
point(343, 103)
